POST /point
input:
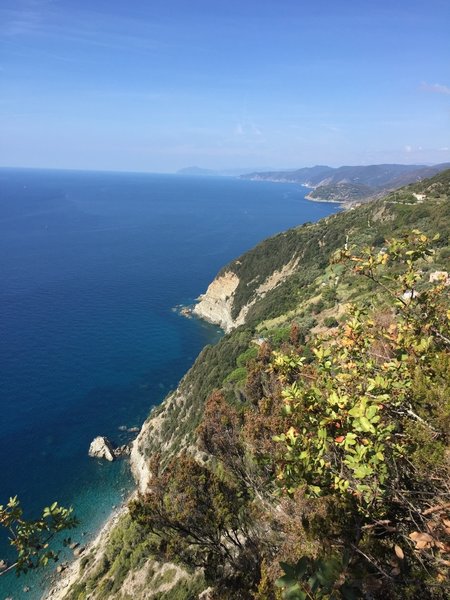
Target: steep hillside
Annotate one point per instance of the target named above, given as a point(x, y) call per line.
point(304, 253)
point(351, 183)
point(232, 492)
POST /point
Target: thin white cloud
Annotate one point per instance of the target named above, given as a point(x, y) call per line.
point(19, 22)
point(43, 18)
point(331, 128)
point(436, 88)
point(248, 129)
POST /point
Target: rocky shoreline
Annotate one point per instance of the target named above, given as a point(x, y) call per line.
point(150, 432)
point(101, 447)
point(346, 204)
point(322, 200)
point(64, 580)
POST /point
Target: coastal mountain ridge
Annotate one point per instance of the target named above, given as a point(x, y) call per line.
point(209, 522)
point(350, 183)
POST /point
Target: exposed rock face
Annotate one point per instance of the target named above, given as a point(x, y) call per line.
point(101, 447)
point(152, 439)
point(216, 304)
point(138, 461)
point(140, 583)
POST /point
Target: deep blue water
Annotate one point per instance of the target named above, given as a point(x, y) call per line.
point(91, 265)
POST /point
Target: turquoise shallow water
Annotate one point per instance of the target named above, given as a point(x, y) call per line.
point(91, 265)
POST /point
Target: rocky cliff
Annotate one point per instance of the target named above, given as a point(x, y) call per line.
point(162, 432)
point(218, 304)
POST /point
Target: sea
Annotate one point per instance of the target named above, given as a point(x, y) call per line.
point(92, 268)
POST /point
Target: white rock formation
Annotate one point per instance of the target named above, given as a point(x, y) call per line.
point(101, 447)
point(216, 304)
point(138, 460)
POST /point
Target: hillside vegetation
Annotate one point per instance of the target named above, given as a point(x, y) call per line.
point(306, 455)
point(341, 192)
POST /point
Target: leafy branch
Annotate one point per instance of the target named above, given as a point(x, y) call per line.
point(31, 538)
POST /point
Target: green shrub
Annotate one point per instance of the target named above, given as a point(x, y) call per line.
point(331, 322)
point(238, 375)
point(246, 356)
point(329, 295)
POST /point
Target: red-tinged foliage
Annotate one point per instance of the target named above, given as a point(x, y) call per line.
point(202, 520)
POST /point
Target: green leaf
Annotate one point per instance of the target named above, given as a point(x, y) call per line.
point(294, 593)
point(302, 566)
point(356, 411)
point(288, 568)
point(366, 425)
point(285, 581)
point(371, 412)
point(322, 433)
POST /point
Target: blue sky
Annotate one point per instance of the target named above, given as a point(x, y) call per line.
point(159, 85)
